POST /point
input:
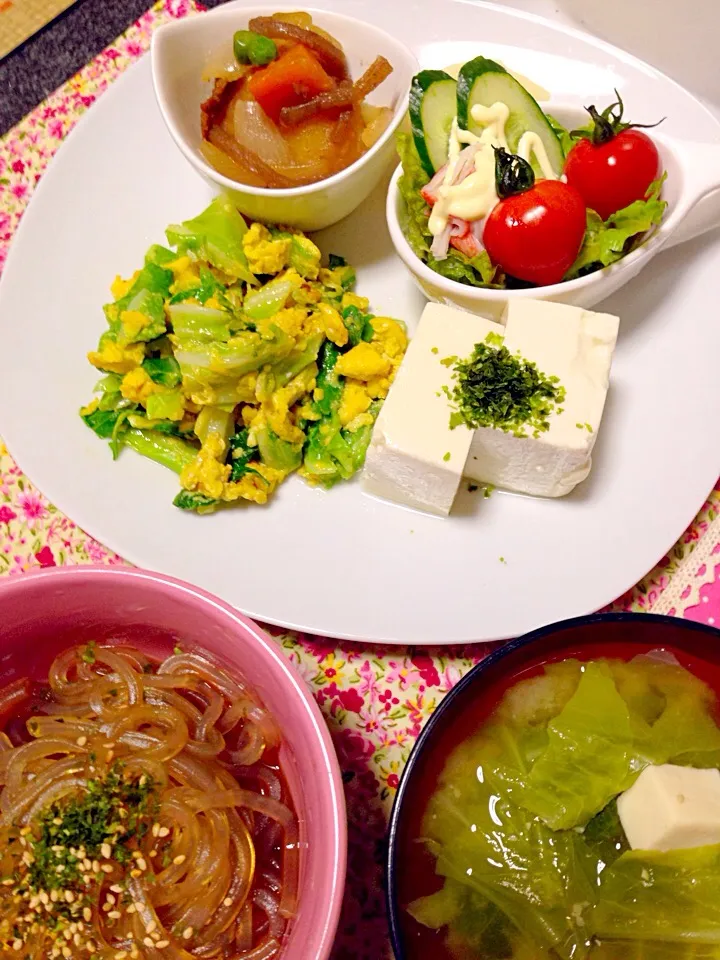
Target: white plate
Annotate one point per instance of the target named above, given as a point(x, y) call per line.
point(338, 562)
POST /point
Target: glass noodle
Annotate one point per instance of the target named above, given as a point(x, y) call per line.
point(142, 810)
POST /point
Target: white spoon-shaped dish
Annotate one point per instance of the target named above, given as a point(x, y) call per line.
point(692, 191)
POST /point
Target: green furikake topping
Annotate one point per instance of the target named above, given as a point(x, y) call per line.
point(110, 817)
point(494, 388)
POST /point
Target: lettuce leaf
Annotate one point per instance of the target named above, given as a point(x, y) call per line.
point(608, 241)
point(591, 754)
point(566, 139)
point(506, 872)
point(215, 235)
point(668, 897)
point(475, 272)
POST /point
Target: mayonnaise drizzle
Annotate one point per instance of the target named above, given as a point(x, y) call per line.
point(476, 195)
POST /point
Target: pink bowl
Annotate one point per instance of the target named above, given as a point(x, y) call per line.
point(41, 613)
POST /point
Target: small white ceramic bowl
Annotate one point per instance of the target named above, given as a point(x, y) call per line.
point(180, 53)
point(692, 191)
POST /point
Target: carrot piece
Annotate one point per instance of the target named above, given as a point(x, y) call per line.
point(293, 78)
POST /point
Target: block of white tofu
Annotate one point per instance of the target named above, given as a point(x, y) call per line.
point(576, 346)
point(671, 808)
point(414, 457)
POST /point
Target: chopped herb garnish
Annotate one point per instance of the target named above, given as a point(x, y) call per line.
point(88, 654)
point(177, 650)
point(446, 457)
point(494, 388)
point(488, 490)
point(434, 350)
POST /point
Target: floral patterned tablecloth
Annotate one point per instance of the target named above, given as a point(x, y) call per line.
point(374, 699)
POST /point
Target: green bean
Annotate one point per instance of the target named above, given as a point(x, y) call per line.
point(253, 48)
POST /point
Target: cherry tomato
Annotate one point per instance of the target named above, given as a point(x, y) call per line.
point(612, 175)
point(536, 235)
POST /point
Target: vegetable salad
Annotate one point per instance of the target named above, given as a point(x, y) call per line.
point(233, 357)
point(499, 194)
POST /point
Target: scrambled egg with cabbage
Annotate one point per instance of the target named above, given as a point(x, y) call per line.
point(235, 358)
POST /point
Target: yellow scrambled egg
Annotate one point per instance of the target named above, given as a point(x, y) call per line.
point(207, 474)
point(265, 254)
point(115, 358)
point(137, 385)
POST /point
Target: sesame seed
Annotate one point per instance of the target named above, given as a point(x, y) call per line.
point(96, 866)
point(66, 933)
point(141, 863)
point(87, 878)
point(66, 952)
point(69, 896)
point(134, 953)
point(87, 914)
point(153, 853)
point(57, 821)
point(87, 864)
point(54, 896)
point(17, 944)
point(148, 942)
point(179, 859)
point(149, 927)
point(163, 832)
point(9, 882)
point(90, 946)
point(77, 939)
point(131, 908)
point(116, 888)
point(155, 829)
point(25, 831)
point(187, 933)
point(143, 780)
point(227, 902)
point(161, 944)
point(109, 755)
point(114, 915)
point(107, 868)
point(138, 906)
point(110, 898)
point(136, 873)
point(106, 907)
point(106, 850)
point(120, 955)
point(60, 868)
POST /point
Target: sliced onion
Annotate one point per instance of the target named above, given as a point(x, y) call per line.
point(477, 228)
point(465, 163)
point(376, 127)
point(330, 56)
point(440, 244)
point(255, 131)
point(247, 158)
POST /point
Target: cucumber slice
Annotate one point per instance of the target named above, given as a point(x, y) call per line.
point(486, 82)
point(433, 102)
